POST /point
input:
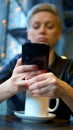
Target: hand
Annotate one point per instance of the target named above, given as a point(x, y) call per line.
point(46, 85)
point(20, 73)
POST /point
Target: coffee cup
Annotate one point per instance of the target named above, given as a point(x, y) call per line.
point(38, 106)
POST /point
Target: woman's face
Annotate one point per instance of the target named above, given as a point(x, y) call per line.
point(44, 29)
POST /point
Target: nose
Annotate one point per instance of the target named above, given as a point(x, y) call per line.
point(42, 29)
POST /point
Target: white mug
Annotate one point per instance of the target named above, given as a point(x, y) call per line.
point(38, 106)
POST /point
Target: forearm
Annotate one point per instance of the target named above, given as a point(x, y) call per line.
point(67, 96)
point(6, 90)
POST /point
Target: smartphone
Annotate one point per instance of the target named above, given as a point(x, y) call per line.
point(35, 54)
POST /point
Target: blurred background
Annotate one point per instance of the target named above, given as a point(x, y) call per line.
point(13, 27)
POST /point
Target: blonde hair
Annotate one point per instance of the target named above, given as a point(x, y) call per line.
point(44, 7)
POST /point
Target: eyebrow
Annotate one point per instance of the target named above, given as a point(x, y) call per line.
point(47, 22)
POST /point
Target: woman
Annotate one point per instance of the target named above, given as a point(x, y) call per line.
point(43, 26)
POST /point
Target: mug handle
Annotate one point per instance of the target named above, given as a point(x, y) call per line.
point(56, 106)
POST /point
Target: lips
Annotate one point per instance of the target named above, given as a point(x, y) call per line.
point(42, 39)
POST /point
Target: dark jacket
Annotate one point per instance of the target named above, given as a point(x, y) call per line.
point(62, 68)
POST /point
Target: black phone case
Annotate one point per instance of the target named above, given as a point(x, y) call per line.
point(34, 53)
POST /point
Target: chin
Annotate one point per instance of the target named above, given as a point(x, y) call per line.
point(43, 43)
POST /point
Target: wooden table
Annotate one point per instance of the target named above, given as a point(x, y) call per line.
point(14, 123)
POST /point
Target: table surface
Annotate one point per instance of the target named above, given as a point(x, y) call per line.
point(14, 123)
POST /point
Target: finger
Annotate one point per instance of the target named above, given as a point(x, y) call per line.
point(19, 62)
point(38, 78)
point(37, 85)
point(46, 91)
point(43, 95)
point(51, 96)
point(30, 67)
point(34, 73)
point(23, 83)
point(38, 95)
point(44, 79)
point(39, 90)
point(25, 68)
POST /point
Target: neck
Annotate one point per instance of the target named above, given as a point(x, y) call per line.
point(51, 56)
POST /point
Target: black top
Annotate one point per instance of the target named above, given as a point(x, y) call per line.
point(62, 68)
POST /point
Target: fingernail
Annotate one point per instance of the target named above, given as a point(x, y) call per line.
point(43, 71)
point(26, 86)
point(36, 67)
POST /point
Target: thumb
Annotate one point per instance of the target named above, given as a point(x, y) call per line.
point(19, 62)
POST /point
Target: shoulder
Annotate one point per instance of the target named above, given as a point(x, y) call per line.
point(66, 63)
point(10, 64)
point(13, 61)
point(64, 59)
